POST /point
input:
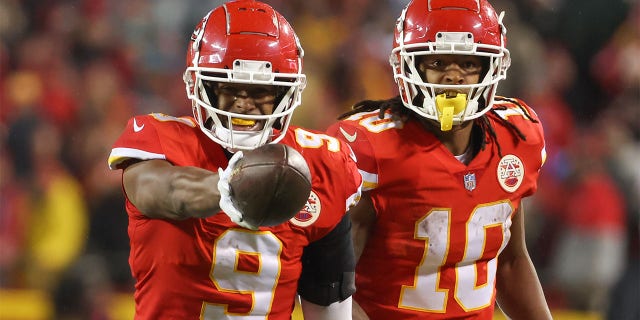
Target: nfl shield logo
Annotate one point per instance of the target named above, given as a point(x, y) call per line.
point(470, 181)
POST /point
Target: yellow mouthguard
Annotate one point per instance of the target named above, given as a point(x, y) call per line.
point(448, 106)
point(242, 122)
point(446, 118)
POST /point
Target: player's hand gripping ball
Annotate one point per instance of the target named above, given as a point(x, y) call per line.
point(269, 185)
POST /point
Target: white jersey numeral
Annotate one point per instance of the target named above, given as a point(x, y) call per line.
point(308, 139)
point(265, 247)
point(434, 229)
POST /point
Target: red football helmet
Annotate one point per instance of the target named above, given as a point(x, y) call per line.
point(462, 27)
point(244, 42)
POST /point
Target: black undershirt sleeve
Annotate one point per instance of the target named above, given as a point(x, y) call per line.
point(328, 267)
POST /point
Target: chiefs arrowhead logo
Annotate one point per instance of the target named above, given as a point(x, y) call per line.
point(510, 172)
point(310, 213)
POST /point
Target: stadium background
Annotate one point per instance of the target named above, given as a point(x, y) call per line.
point(73, 71)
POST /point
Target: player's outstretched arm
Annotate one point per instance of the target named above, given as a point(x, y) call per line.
point(161, 190)
point(519, 292)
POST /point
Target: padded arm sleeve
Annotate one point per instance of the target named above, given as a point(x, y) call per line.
point(328, 267)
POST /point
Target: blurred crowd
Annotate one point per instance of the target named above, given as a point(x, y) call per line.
point(73, 71)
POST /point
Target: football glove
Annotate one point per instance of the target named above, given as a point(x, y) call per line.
point(226, 202)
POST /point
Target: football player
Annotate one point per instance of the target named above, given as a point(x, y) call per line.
point(190, 260)
point(445, 167)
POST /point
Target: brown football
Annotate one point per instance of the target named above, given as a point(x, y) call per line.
point(270, 184)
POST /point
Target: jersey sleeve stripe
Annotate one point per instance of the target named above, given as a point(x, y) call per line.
point(118, 155)
point(369, 180)
point(354, 198)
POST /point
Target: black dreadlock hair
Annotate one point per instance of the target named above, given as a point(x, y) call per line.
point(396, 106)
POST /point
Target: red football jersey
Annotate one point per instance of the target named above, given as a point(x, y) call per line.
point(211, 268)
point(440, 223)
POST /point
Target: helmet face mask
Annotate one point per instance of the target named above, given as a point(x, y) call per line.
point(448, 27)
point(244, 43)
